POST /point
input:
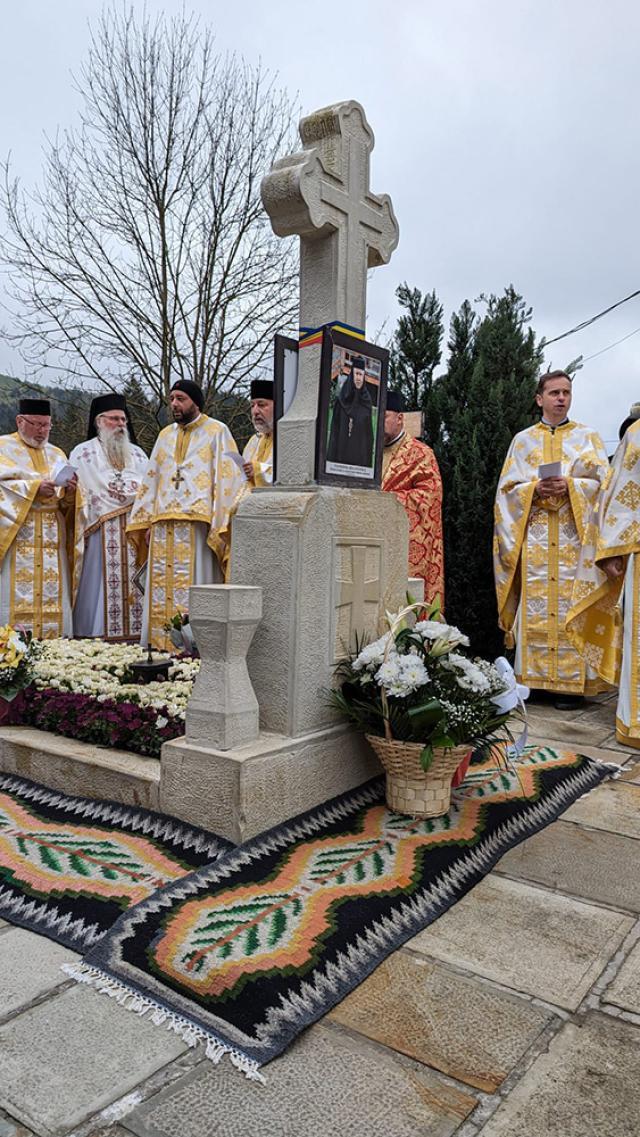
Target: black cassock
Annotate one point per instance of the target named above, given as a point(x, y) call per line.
point(351, 435)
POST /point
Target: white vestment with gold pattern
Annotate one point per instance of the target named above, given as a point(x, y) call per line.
point(185, 499)
point(606, 631)
point(35, 588)
point(259, 451)
point(106, 603)
point(537, 543)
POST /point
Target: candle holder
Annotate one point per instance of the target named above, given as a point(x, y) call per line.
point(151, 669)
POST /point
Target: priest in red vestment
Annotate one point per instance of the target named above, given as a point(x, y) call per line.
point(410, 471)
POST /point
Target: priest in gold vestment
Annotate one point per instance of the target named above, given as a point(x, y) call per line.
point(34, 565)
point(182, 510)
point(541, 519)
point(257, 455)
point(410, 471)
point(604, 621)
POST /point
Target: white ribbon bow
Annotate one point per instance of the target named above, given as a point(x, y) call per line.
point(513, 696)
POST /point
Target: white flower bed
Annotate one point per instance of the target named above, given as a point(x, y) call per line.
point(93, 667)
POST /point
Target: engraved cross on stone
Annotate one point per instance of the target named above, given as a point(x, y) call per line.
point(322, 195)
point(359, 591)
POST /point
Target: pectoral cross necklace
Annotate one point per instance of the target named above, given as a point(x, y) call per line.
point(177, 478)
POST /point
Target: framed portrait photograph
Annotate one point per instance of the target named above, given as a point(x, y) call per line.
point(285, 382)
point(352, 400)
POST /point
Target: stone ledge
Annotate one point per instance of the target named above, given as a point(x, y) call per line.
point(80, 767)
point(239, 793)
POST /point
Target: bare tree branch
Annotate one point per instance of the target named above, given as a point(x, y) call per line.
point(145, 254)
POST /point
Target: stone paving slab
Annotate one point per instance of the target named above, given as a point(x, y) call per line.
point(29, 966)
point(11, 1128)
point(613, 806)
point(604, 712)
point(625, 989)
point(536, 942)
point(572, 732)
point(593, 865)
point(585, 1086)
point(631, 773)
point(460, 1025)
point(75, 1054)
point(612, 743)
point(110, 1131)
point(326, 1083)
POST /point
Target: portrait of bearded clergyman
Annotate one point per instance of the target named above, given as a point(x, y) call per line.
point(351, 432)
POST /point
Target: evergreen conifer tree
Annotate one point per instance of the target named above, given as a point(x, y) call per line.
point(416, 350)
point(485, 397)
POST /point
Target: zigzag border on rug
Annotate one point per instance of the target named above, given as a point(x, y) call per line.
point(27, 913)
point(333, 981)
point(149, 822)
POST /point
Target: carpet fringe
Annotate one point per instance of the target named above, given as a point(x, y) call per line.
point(191, 1034)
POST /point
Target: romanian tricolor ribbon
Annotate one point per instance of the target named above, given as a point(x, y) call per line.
point(309, 336)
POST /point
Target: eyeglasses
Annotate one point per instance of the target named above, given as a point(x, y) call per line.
point(36, 425)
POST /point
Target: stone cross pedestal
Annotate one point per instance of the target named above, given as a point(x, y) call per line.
point(330, 562)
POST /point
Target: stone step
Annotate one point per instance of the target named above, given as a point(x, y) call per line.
point(80, 767)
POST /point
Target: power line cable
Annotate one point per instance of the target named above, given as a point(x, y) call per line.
point(603, 349)
point(592, 319)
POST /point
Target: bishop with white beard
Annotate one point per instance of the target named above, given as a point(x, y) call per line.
point(110, 468)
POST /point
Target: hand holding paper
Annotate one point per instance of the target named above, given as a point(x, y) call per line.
point(550, 470)
point(64, 475)
point(237, 458)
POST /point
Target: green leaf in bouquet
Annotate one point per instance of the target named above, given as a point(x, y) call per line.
point(426, 757)
point(403, 638)
point(426, 714)
point(443, 741)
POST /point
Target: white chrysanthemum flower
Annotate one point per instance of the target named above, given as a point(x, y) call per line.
point(446, 633)
point(402, 675)
point(372, 655)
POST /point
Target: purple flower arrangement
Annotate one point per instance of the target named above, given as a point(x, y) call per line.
point(121, 725)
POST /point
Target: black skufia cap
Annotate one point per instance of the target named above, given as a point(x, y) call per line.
point(35, 407)
point(103, 403)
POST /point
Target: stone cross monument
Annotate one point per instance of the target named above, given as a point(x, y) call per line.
point(322, 195)
point(329, 562)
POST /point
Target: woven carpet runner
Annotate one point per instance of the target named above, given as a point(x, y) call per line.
point(69, 866)
point(245, 953)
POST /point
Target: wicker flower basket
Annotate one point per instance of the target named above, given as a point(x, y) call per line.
point(410, 789)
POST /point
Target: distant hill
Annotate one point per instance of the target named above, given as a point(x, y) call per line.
point(69, 409)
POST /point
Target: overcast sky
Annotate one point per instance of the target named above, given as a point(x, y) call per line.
point(506, 135)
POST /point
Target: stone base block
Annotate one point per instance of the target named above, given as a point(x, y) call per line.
point(239, 793)
point(79, 767)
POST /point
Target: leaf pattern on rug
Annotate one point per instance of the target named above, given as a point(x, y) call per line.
point(212, 943)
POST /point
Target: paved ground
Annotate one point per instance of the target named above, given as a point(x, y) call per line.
point(516, 1015)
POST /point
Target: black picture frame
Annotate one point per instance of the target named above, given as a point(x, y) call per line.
point(347, 437)
point(285, 351)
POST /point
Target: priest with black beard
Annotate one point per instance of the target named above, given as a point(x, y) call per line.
point(110, 468)
point(351, 433)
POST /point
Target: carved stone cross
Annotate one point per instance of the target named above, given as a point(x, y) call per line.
point(322, 195)
point(362, 588)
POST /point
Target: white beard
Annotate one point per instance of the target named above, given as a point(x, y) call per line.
point(35, 445)
point(116, 445)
